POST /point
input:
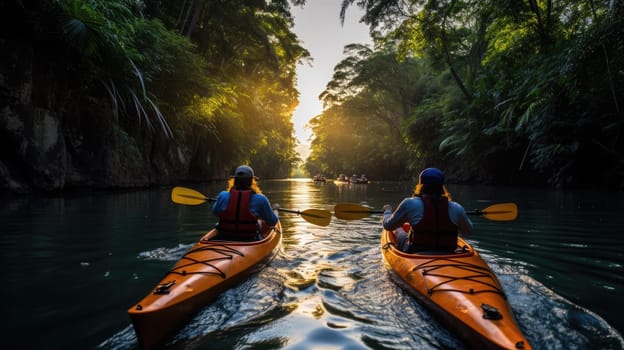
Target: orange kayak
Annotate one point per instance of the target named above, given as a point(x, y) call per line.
point(460, 290)
point(206, 270)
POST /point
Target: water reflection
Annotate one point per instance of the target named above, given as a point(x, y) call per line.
point(560, 264)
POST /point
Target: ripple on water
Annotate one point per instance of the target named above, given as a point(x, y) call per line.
point(344, 298)
point(166, 254)
point(561, 324)
point(328, 288)
point(238, 311)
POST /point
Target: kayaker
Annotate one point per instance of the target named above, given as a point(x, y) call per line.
point(241, 206)
point(434, 219)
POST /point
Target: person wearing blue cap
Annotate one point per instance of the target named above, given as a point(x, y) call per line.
point(242, 207)
point(434, 219)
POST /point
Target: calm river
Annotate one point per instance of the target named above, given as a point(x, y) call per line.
point(75, 263)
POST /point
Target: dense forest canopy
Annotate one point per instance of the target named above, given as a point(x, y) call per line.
point(527, 91)
point(124, 93)
point(195, 87)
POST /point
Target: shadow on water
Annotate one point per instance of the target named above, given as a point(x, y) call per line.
point(93, 256)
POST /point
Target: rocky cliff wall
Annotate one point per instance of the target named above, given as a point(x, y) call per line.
point(53, 138)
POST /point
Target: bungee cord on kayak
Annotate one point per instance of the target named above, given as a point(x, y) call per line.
point(460, 289)
point(207, 269)
point(223, 250)
point(480, 272)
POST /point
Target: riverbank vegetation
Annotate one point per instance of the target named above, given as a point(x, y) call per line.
point(130, 93)
point(125, 93)
point(494, 91)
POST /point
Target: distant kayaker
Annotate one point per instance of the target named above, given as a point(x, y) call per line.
point(241, 206)
point(434, 219)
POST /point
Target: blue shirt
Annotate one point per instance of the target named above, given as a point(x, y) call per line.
point(259, 206)
point(412, 210)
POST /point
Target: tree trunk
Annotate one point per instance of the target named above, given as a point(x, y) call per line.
point(197, 10)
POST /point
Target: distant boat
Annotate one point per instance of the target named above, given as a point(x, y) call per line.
point(359, 179)
point(319, 178)
point(342, 178)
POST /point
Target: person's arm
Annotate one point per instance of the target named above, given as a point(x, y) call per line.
point(460, 218)
point(264, 210)
point(220, 205)
point(392, 221)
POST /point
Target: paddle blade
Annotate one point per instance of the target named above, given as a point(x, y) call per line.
point(351, 211)
point(316, 216)
point(501, 212)
point(183, 195)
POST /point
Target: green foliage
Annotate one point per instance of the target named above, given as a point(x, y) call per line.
point(369, 98)
point(251, 53)
point(105, 34)
point(219, 75)
point(500, 91)
point(507, 91)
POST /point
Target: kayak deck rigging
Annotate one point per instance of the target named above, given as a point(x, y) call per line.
point(460, 289)
point(427, 269)
point(226, 251)
point(210, 267)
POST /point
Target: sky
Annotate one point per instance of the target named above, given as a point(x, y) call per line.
point(318, 27)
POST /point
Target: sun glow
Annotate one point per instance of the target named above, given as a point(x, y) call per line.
point(317, 24)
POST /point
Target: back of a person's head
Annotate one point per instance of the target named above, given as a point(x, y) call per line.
point(242, 183)
point(243, 176)
point(253, 185)
point(431, 176)
point(431, 183)
point(244, 179)
point(432, 189)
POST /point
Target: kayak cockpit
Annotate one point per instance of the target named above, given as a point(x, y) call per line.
point(265, 233)
point(463, 249)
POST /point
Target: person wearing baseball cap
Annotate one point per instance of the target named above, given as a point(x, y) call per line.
point(434, 218)
point(242, 207)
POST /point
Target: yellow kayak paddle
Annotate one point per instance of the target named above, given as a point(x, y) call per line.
point(495, 212)
point(187, 196)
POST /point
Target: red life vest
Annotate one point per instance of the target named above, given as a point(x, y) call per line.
point(237, 222)
point(435, 231)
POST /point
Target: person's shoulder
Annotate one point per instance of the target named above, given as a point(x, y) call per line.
point(411, 202)
point(413, 199)
point(455, 205)
point(259, 196)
